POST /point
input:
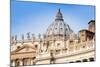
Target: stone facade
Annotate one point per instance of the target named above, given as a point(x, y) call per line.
point(58, 45)
point(86, 35)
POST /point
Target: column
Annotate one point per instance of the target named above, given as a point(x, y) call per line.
point(13, 63)
point(21, 62)
point(31, 62)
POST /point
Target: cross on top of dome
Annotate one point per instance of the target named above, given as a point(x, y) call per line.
point(59, 16)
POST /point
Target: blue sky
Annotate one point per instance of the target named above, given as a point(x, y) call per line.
point(35, 17)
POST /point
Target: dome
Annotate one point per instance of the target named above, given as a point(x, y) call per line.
point(59, 27)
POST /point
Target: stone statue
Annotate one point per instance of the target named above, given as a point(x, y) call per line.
point(22, 37)
point(28, 35)
point(15, 37)
point(12, 38)
point(44, 36)
point(33, 36)
point(39, 36)
point(15, 42)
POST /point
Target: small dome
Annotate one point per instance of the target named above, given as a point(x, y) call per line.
point(58, 27)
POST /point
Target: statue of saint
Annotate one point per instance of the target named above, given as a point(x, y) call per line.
point(33, 36)
point(15, 37)
point(22, 37)
point(28, 35)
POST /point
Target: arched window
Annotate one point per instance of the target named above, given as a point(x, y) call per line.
point(78, 61)
point(83, 46)
point(18, 47)
point(61, 29)
point(91, 59)
point(71, 62)
point(58, 44)
point(85, 60)
point(36, 46)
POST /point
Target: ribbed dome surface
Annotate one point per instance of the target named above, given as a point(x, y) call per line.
point(58, 27)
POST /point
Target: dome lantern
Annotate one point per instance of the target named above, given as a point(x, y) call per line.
point(59, 16)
